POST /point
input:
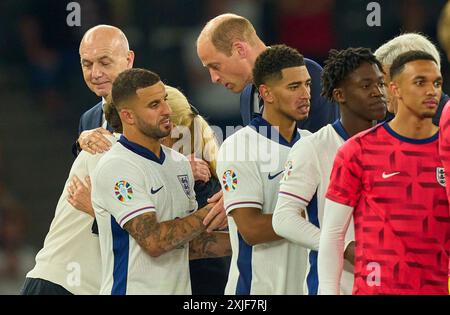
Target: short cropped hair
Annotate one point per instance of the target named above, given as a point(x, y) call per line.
point(272, 61)
point(398, 65)
point(128, 82)
point(340, 64)
point(235, 28)
point(390, 50)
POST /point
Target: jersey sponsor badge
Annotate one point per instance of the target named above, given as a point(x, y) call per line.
point(184, 181)
point(229, 180)
point(440, 176)
point(123, 191)
point(287, 170)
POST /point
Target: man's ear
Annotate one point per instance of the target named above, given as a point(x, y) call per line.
point(395, 90)
point(130, 59)
point(339, 95)
point(265, 93)
point(241, 48)
point(126, 116)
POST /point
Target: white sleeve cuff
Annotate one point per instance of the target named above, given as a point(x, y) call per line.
point(132, 214)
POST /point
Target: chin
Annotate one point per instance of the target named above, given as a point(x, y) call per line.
point(301, 118)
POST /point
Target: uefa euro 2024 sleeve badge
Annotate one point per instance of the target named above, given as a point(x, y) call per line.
point(229, 180)
point(123, 191)
point(440, 176)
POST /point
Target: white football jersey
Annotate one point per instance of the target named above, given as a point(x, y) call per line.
point(71, 253)
point(250, 166)
point(130, 180)
point(305, 181)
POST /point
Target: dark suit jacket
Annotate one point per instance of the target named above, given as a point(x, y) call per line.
point(322, 112)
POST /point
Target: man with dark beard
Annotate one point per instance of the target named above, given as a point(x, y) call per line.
point(144, 200)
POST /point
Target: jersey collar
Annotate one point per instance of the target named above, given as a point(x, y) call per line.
point(410, 140)
point(337, 125)
point(271, 133)
point(142, 151)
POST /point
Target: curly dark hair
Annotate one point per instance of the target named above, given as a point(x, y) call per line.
point(340, 64)
point(270, 62)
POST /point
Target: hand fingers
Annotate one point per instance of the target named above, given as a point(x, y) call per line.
point(103, 131)
point(76, 181)
point(224, 224)
point(215, 211)
point(94, 141)
point(216, 223)
point(72, 202)
point(88, 182)
point(216, 197)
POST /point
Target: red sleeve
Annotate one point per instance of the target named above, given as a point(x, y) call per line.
point(345, 182)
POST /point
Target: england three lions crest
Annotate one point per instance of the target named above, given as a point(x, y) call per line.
point(184, 181)
point(440, 176)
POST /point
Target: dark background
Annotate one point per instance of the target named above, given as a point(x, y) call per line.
point(43, 93)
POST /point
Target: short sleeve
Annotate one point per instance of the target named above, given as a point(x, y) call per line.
point(345, 181)
point(240, 180)
point(119, 188)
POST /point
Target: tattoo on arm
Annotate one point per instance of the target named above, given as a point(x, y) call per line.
point(210, 245)
point(160, 237)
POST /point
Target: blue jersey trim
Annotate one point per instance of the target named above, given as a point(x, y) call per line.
point(271, 133)
point(337, 125)
point(244, 263)
point(142, 151)
point(410, 140)
point(312, 279)
point(121, 248)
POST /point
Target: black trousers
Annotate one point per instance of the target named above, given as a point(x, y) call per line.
point(209, 276)
point(38, 286)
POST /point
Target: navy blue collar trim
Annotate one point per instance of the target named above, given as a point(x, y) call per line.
point(337, 125)
point(269, 130)
point(410, 140)
point(142, 151)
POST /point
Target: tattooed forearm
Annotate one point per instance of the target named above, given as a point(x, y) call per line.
point(210, 245)
point(160, 237)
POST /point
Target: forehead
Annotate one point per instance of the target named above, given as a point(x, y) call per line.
point(293, 74)
point(365, 71)
point(99, 48)
point(421, 68)
point(208, 54)
point(152, 92)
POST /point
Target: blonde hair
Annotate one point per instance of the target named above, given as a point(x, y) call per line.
point(403, 43)
point(443, 29)
point(203, 140)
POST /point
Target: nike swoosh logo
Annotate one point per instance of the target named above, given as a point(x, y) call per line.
point(272, 177)
point(385, 176)
point(155, 191)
